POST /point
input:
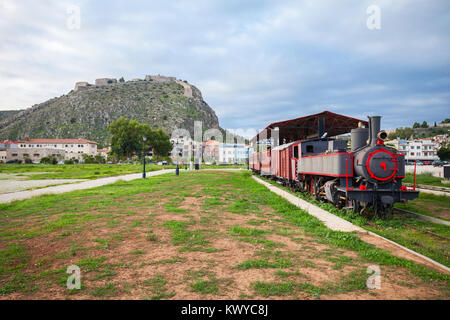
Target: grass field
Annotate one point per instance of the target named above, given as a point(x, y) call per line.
point(75, 171)
point(436, 248)
point(202, 235)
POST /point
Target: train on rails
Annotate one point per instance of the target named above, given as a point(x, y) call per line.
point(367, 175)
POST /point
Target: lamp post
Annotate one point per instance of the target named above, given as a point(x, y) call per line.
point(144, 138)
point(248, 158)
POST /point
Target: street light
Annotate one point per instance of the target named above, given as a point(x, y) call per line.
point(144, 138)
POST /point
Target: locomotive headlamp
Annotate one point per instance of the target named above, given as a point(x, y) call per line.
point(382, 135)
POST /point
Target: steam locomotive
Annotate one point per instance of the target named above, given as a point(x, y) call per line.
point(369, 175)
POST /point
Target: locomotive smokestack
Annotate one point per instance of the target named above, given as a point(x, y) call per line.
point(374, 128)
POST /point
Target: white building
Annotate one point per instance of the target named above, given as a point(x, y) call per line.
point(232, 153)
point(421, 149)
point(183, 148)
point(73, 148)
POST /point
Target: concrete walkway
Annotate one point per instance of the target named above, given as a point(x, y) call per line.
point(8, 197)
point(330, 220)
point(9, 186)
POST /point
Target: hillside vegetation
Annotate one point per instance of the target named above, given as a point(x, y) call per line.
point(87, 113)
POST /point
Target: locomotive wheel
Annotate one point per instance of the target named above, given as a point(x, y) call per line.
point(301, 186)
point(356, 206)
point(319, 189)
point(384, 212)
point(387, 212)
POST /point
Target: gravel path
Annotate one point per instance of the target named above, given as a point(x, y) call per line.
point(8, 197)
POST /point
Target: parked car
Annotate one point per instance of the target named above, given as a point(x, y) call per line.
point(159, 163)
point(427, 163)
point(438, 163)
point(419, 163)
point(164, 163)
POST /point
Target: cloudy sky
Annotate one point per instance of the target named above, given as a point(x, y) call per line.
point(255, 61)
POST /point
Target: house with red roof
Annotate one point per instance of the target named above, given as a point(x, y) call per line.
point(36, 149)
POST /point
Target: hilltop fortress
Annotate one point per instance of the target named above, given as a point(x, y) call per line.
point(80, 86)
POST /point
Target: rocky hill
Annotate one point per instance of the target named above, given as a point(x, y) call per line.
point(86, 111)
point(7, 113)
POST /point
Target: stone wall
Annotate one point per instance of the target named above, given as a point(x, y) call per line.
point(435, 171)
point(35, 154)
point(159, 78)
point(82, 86)
point(105, 81)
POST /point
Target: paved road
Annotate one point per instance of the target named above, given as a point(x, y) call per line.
point(8, 197)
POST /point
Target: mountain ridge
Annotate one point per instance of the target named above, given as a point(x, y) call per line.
point(161, 102)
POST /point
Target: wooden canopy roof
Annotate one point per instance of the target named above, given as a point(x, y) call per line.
point(309, 127)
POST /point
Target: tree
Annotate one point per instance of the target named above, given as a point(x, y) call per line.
point(444, 154)
point(121, 79)
point(446, 120)
point(416, 125)
point(99, 159)
point(402, 133)
point(424, 125)
point(127, 139)
point(160, 143)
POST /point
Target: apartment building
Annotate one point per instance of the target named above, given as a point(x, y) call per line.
point(419, 149)
point(231, 153)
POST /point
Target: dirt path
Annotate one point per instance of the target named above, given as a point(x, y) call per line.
point(20, 195)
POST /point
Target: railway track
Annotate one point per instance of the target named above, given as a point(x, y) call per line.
point(431, 189)
point(422, 217)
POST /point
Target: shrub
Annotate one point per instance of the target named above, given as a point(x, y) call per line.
point(69, 161)
point(45, 160)
point(28, 160)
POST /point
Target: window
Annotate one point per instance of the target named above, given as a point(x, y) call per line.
point(66, 145)
point(412, 147)
point(412, 153)
point(418, 147)
point(296, 152)
point(25, 154)
point(310, 149)
point(14, 154)
point(36, 155)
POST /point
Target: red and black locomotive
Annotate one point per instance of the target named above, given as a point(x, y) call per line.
point(311, 159)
